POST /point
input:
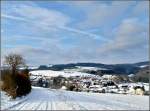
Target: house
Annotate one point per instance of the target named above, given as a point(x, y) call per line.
point(137, 89)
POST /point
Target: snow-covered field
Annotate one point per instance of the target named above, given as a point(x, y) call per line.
point(90, 68)
point(50, 99)
point(50, 73)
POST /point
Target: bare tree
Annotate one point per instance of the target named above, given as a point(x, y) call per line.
point(14, 60)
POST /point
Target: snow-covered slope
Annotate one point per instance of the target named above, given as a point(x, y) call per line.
point(90, 68)
point(51, 73)
point(142, 66)
point(48, 99)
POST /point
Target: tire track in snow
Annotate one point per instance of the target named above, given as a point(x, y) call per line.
point(20, 102)
point(25, 106)
point(105, 103)
point(73, 96)
point(75, 104)
point(115, 104)
point(46, 105)
point(32, 106)
point(38, 105)
point(59, 101)
point(67, 100)
point(51, 104)
point(21, 106)
point(42, 106)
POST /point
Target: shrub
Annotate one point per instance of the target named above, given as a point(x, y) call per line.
point(16, 85)
point(23, 84)
point(9, 83)
point(58, 82)
point(70, 87)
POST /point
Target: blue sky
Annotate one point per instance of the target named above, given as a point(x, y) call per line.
point(47, 32)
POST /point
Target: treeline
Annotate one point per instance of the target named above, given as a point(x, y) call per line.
point(142, 75)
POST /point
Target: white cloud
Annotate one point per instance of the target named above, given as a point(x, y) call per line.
point(42, 16)
point(128, 35)
point(99, 15)
point(141, 9)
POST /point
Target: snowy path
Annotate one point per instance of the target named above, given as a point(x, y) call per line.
point(48, 99)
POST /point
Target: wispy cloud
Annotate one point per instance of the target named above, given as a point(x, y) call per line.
point(84, 33)
point(13, 17)
point(49, 25)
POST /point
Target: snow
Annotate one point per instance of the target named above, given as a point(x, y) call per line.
point(108, 76)
point(64, 87)
point(51, 99)
point(142, 66)
point(146, 86)
point(131, 75)
point(30, 67)
point(50, 73)
point(33, 67)
point(7, 101)
point(90, 68)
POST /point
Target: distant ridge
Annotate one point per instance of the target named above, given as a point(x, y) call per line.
point(126, 68)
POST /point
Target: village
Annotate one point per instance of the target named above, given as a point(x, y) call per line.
point(73, 80)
